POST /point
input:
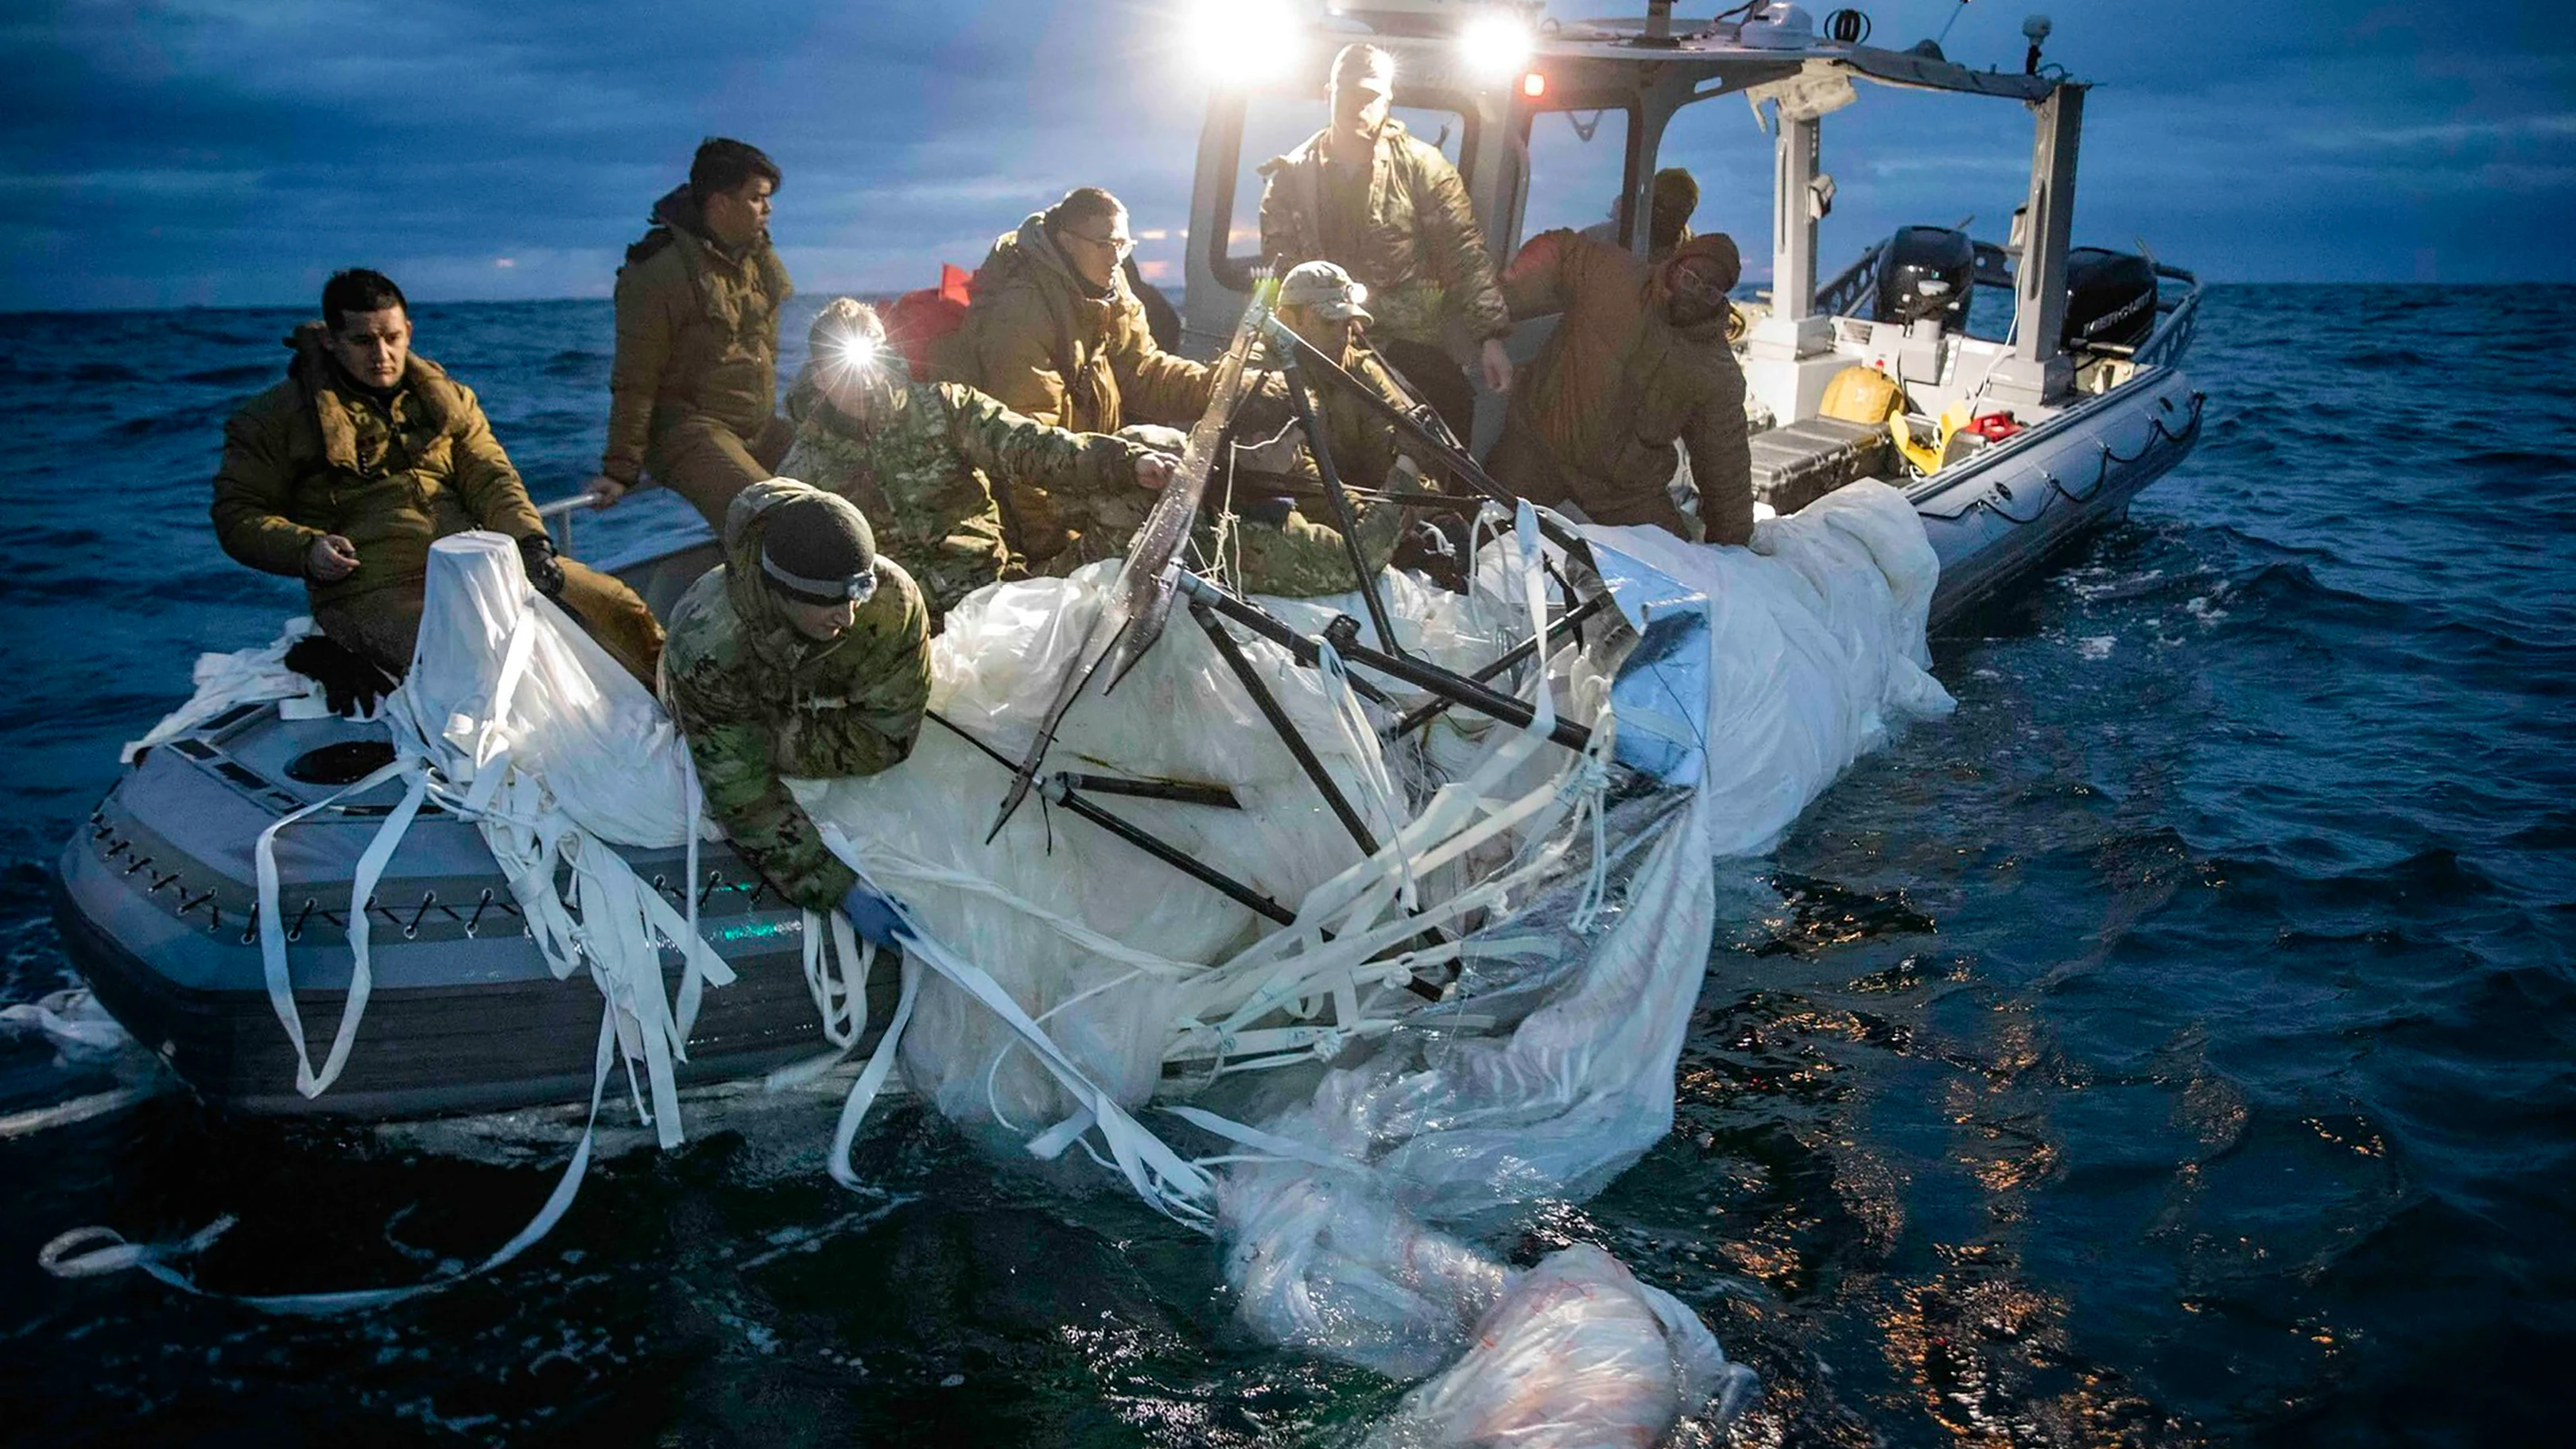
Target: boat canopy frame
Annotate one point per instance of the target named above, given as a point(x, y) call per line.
point(1625, 64)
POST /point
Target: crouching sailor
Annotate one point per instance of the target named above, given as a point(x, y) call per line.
point(806, 652)
point(1283, 546)
point(941, 465)
point(346, 472)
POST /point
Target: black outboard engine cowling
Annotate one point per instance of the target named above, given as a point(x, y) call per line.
point(2110, 299)
point(1925, 271)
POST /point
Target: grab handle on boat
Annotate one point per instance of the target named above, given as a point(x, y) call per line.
point(559, 515)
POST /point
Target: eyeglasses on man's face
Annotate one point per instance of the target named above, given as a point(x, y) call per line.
point(1119, 246)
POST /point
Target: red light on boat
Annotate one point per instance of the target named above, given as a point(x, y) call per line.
point(1533, 85)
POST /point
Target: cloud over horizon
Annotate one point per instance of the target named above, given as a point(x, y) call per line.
point(233, 152)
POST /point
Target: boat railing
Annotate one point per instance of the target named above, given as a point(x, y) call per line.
point(559, 515)
point(2172, 336)
point(1857, 285)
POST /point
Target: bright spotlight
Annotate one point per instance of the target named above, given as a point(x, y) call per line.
point(858, 352)
point(1243, 42)
point(1494, 45)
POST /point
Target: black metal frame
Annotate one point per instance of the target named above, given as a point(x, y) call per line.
point(1301, 365)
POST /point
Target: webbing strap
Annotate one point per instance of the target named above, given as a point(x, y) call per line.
point(97, 1251)
point(272, 930)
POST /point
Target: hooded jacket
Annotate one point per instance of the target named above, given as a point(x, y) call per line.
point(697, 332)
point(318, 454)
point(758, 701)
point(1046, 343)
point(932, 477)
point(1596, 417)
point(1301, 555)
point(1417, 246)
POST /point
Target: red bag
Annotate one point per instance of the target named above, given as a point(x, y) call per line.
point(916, 320)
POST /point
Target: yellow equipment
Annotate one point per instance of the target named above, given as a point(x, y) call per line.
point(1861, 395)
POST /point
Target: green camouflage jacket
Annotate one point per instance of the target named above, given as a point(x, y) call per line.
point(1418, 248)
point(316, 454)
point(1301, 556)
point(757, 700)
point(959, 487)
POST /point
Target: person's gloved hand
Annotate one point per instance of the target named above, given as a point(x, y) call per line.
point(537, 552)
point(874, 917)
point(351, 683)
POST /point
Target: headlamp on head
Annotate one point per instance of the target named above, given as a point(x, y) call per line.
point(855, 589)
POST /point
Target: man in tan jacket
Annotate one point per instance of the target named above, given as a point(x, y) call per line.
point(1391, 211)
point(1639, 363)
point(693, 394)
point(1054, 332)
point(346, 472)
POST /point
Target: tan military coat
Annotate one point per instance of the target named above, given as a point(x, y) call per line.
point(697, 333)
point(1416, 245)
point(1596, 418)
point(316, 455)
point(1042, 342)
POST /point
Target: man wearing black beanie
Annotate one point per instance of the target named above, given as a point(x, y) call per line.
point(805, 653)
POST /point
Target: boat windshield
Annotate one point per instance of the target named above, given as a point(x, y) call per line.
point(1273, 126)
point(1578, 170)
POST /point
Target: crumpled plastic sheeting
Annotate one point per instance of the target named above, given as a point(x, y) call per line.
point(1179, 715)
point(81, 1031)
point(1816, 649)
point(243, 676)
point(575, 719)
point(1577, 1354)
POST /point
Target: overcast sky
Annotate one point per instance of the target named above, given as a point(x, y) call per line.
point(234, 152)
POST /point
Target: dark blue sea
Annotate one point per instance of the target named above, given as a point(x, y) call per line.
point(2176, 1046)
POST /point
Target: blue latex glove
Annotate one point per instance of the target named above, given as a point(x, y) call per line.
point(873, 916)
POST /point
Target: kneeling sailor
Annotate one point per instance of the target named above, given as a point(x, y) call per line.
point(805, 653)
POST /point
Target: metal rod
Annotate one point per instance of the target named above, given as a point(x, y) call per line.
point(1458, 689)
point(1523, 650)
point(1445, 450)
point(1232, 653)
point(1181, 792)
point(1235, 890)
point(1321, 450)
point(1263, 623)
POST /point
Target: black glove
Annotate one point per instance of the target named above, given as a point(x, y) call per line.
point(537, 552)
point(350, 682)
point(1269, 509)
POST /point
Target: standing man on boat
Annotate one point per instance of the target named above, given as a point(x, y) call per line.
point(1674, 197)
point(1391, 211)
point(345, 473)
point(693, 393)
point(941, 469)
point(1639, 364)
point(806, 652)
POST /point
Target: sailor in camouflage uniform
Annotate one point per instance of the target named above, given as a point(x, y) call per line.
point(1286, 547)
point(944, 471)
point(805, 653)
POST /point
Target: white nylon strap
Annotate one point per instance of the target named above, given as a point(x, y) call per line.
point(97, 1251)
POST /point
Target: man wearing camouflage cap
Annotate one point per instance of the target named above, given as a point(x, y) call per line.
point(1639, 365)
point(1288, 546)
point(1388, 208)
point(805, 653)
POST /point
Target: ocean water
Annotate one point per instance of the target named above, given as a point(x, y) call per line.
point(2177, 1046)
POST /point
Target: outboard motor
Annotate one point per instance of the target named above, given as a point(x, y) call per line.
point(2110, 299)
point(1924, 272)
